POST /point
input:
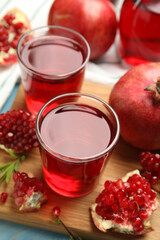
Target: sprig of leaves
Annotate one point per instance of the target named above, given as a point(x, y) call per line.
point(6, 170)
point(58, 221)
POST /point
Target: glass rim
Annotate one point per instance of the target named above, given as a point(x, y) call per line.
point(50, 76)
point(77, 159)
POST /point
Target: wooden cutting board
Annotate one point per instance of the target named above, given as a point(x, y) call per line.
point(75, 212)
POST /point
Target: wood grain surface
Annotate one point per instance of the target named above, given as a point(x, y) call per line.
point(75, 212)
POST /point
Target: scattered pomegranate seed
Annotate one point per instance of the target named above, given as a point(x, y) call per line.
point(56, 212)
point(17, 130)
point(3, 197)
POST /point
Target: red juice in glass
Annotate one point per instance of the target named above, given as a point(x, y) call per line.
point(51, 63)
point(139, 31)
point(77, 137)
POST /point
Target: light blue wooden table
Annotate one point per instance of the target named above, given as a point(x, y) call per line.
point(12, 231)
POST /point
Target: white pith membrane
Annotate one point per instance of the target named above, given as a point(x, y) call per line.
point(33, 202)
point(125, 226)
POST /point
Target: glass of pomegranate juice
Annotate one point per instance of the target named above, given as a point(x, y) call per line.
point(52, 60)
point(77, 133)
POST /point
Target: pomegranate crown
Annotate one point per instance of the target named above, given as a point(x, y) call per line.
point(155, 89)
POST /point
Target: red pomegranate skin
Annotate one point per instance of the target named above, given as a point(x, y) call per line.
point(94, 19)
point(138, 113)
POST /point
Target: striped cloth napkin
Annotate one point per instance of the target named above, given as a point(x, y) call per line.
point(107, 70)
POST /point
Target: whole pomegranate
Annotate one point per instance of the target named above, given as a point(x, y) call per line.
point(94, 19)
point(136, 100)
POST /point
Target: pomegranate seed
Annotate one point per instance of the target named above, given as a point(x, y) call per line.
point(115, 207)
point(9, 18)
point(6, 49)
point(156, 166)
point(56, 212)
point(139, 199)
point(110, 199)
point(120, 184)
point(19, 27)
point(153, 180)
point(147, 175)
point(3, 197)
point(124, 202)
point(143, 214)
point(137, 221)
point(98, 210)
point(29, 192)
point(121, 194)
point(139, 184)
point(153, 195)
point(139, 191)
point(10, 57)
point(16, 176)
point(134, 213)
point(107, 184)
point(132, 205)
point(135, 178)
point(14, 43)
point(134, 187)
point(138, 228)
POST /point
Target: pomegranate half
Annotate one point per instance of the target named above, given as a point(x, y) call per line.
point(125, 205)
point(12, 26)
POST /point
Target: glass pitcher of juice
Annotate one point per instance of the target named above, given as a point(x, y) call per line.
point(139, 31)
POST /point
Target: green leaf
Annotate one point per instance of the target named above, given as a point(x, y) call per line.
point(23, 157)
point(56, 220)
point(3, 173)
point(16, 165)
point(2, 179)
point(9, 172)
point(11, 153)
point(8, 150)
point(70, 238)
point(4, 166)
